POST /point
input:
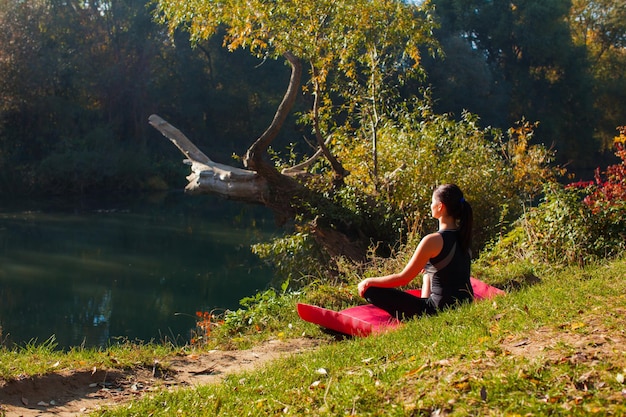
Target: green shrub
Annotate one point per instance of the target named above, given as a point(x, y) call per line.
point(561, 230)
point(386, 198)
point(423, 150)
point(557, 231)
point(606, 198)
point(574, 224)
point(293, 257)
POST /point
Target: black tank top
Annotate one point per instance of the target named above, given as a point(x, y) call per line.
point(450, 272)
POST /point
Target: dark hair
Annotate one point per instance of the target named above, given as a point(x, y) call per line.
point(452, 197)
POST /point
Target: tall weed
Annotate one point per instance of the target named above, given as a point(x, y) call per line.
point(574, 224)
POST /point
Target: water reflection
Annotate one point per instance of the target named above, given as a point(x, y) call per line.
point(124, 269)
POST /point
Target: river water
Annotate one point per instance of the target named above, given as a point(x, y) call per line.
point(90, 273)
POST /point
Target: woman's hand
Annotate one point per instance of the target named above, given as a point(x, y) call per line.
point(364, 285)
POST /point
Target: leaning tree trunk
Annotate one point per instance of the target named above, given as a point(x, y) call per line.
point(209, 177)
point(259, 182)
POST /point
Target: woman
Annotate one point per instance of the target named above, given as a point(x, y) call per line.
point(443, 257)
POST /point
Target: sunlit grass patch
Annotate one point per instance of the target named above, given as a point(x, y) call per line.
point(552, 348)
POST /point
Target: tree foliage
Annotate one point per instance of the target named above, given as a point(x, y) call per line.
point(600, 27)
point(535, 70)
point(83, 75)
point(68, 70)
point(336, 40)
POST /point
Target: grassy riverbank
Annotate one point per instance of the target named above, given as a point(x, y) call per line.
point(557, 347)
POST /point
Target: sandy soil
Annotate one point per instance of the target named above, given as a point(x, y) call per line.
point(75, 393)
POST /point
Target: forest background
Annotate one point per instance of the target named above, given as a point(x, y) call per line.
point(79, 80)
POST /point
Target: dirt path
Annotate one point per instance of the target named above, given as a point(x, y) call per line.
point(75, 393)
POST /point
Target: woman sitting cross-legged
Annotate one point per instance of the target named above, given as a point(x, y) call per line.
point(444, 258)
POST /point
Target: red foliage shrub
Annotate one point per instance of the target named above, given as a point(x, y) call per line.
point(610, 191)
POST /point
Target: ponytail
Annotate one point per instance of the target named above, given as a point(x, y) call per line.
point(452, 197)
point(467, 224)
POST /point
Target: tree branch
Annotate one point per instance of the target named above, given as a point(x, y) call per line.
point(210, 177)
point(299, 169)
point(255, 154)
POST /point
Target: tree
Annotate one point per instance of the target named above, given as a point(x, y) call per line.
point(600, 27)
point(74, 87)
point(333, 41)
point(528, 48)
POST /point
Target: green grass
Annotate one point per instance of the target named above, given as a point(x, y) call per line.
point(39, 359)
point(555, 347)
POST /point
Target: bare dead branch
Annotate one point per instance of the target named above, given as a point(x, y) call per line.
point(210, 177)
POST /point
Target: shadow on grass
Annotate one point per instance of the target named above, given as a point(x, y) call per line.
point(520, 282)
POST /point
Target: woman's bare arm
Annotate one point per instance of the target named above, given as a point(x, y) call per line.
point(429, 247)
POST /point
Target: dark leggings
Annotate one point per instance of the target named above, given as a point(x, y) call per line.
point(398, 303)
